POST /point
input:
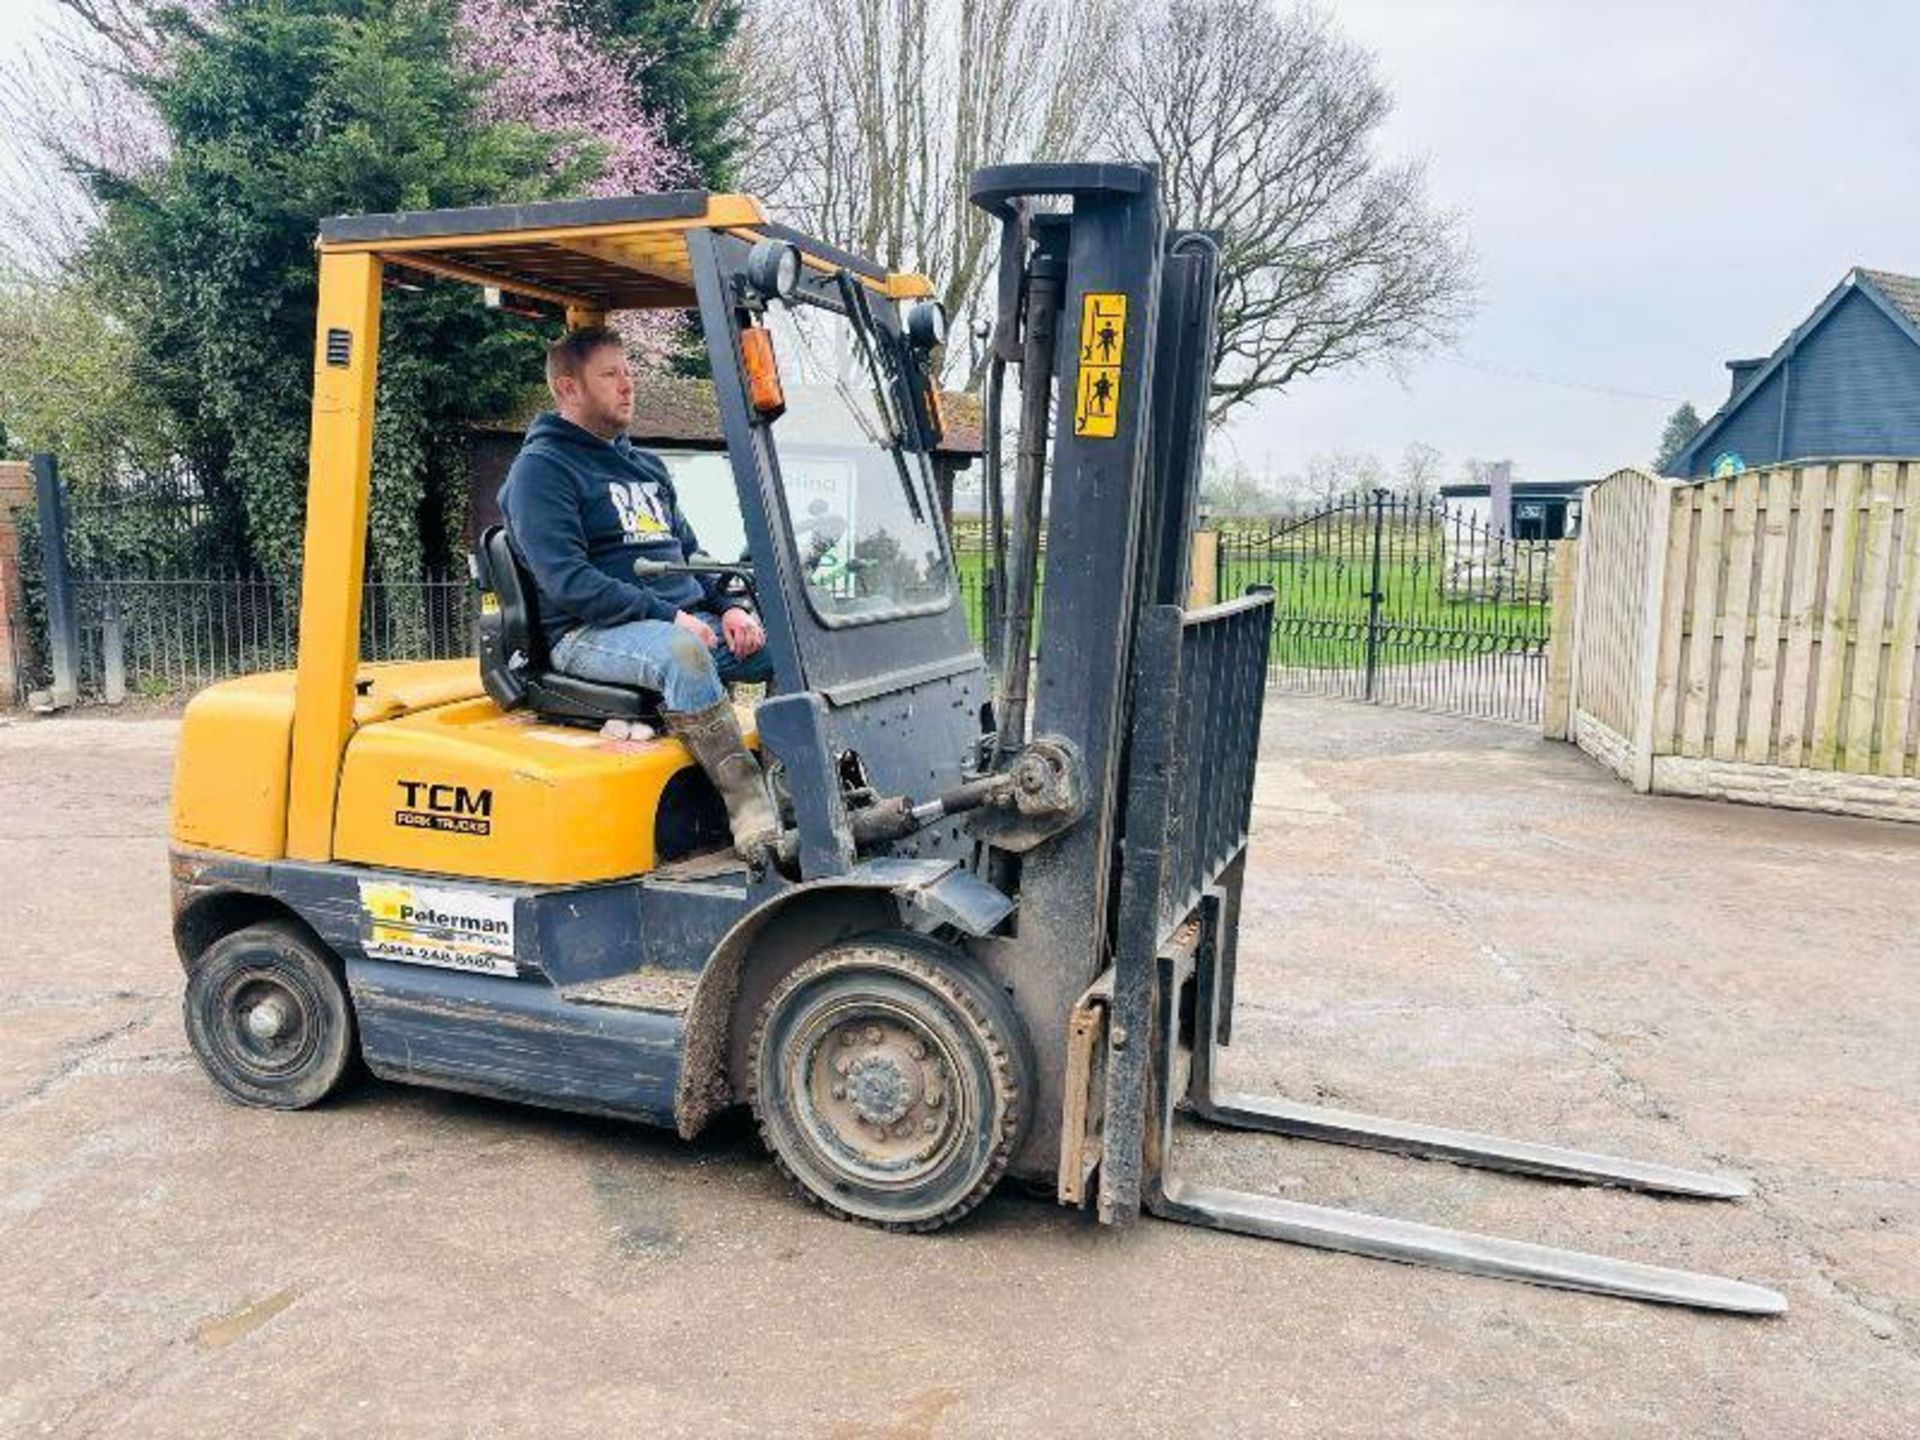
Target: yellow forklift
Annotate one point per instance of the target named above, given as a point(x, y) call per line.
point(997, 935)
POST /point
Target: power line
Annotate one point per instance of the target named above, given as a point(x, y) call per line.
point(1534, 377)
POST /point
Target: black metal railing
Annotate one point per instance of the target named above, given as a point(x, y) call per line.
point(157, 634)
point(1403, 602)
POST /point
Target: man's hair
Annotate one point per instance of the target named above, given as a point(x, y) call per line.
point(569, 354)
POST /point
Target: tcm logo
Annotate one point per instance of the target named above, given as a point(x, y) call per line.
point(430, 805)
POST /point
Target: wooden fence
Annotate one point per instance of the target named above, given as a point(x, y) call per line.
point(1754, 638)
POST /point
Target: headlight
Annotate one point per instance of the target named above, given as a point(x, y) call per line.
point(927, 324)
point(773, 268)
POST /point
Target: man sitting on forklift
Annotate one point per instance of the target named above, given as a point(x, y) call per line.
point(582, 505)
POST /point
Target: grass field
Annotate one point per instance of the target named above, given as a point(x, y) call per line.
point(1321, 606)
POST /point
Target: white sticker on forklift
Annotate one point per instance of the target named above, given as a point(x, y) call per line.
point(428, 925)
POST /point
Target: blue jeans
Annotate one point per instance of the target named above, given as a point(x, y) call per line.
point(659, 655)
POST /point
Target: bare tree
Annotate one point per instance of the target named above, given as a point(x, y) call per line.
point(1421, 467)
point(1232, 491)
point(1264, 123)
point(886, 107)
point(69, 110)
point(1342, 475)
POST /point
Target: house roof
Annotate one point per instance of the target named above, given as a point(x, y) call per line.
point(1897, 295)
point(1902, 291)
point(1520, 489)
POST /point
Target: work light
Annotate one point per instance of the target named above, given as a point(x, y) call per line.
point(773, 268)
point(927, 324)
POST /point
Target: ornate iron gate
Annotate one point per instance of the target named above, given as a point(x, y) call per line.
point(1402, 602)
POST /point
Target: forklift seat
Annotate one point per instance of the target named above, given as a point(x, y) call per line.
point(514, 666)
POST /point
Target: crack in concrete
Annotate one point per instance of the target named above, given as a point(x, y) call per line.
point(1880, 1314)
point(74, 1060)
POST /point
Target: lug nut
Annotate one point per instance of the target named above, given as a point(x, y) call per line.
point(873, 1034)
point(842, 1065)
point(846, 1037)
point(839, 1092)
point(918, 1051)
point(930, 1125)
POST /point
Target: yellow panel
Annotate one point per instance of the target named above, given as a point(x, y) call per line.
point(346, 349)
point(230, 770)
point(466, 790)
point(399, 688)
point(907, 286)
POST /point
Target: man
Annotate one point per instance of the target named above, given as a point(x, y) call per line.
point(582, 504)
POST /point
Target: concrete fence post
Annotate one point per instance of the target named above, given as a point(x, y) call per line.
point(1556, 714)
point(1652, 610)
point(113, 652)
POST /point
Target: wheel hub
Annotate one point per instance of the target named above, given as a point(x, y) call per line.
point(267, 1020)
point(881, 1093)
point(267, 1024)
point(883, 1084)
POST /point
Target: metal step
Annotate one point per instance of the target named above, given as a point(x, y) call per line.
point(1461, 1147)
point(664, 992)
point(1403, 1240)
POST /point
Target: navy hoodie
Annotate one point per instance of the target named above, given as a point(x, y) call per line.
point(581, 510)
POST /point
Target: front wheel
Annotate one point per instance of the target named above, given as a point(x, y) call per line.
point(269, 1019)
point(891, 1080)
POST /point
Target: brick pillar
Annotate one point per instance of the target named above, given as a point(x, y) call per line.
point(16, 493)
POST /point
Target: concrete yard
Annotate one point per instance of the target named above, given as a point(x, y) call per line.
point(1445, 920)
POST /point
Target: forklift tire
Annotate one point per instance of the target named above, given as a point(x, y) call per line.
point(268, 1017)
point(891, 1081)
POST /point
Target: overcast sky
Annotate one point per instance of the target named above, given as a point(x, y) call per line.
point(1652, 188)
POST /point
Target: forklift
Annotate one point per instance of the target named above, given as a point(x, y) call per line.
point(996, 937)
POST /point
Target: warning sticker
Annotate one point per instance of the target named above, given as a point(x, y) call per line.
point(1103, 343)
point(427, 925)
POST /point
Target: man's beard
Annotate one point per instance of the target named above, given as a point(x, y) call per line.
point(609, 421)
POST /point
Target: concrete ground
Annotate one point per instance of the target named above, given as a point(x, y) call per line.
point(1445, 920)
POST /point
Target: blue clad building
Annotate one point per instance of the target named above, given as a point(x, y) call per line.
point(1845, 384)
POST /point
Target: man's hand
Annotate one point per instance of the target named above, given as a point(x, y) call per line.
point(695, 627)
point(743, 631)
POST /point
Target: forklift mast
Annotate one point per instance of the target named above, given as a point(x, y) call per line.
point(1127, 923)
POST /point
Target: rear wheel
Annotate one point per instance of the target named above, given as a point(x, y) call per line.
point(891, 1081)
point(268, 1017)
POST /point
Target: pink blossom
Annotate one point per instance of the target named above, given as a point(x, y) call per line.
point(548, 74)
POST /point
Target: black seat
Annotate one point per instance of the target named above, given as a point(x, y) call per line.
point(514, 665)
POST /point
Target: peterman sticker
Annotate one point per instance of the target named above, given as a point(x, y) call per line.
point(428, 925)
point(1103, 345)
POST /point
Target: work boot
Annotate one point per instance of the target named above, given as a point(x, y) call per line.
point(713, 737)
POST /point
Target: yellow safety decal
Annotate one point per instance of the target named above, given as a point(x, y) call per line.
point(1103, 343)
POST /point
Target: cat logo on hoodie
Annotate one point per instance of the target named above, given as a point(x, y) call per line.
point(643, 514)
